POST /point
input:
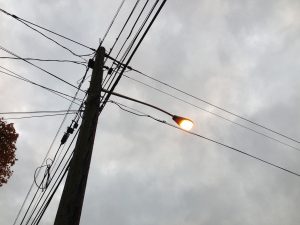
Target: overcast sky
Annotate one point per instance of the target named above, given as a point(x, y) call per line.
point(240, 55)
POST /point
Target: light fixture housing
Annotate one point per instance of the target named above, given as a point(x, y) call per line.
point(183, 122)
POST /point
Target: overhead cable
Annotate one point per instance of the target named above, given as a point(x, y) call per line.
point(212, 113)
point(50, 148)
point(112, 22)
point(38, 116)
point(47, 60)
point(218, 107)
point(58, 93)
point(48, 30)
point(40, 68)
point(130, 57)
point(214, 141)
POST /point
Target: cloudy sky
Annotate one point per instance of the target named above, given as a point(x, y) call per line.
point(240, 55)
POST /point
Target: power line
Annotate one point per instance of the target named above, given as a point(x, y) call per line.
point(218, 107)
point(212, 113)
point(40, 68)
point(54, 41)
point(46, 115)
point(107, 78)
point(48, 30)
point(53, 161)
point(38, 112)
point(130, 45)
point(209, 139)
point(133, 52)
point(47, 60)
point(112, 22)
point(51, 145)
point(128, 18)
point(58, 93)
point(120, 50)
point(54, 186)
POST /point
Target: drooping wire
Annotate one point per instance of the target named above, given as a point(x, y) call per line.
point(112, 22)
point(114, 60)
point(40, 111)
point(127, 38)
point(49, 149)
point(117, 73)
point(104, 82)
point(44, 35)
point(48, 30)
point(208, 139)
point(39, 116)
point(55, 185)
point(130, 57)
point(47, 60)
point(38, 67)
point(122, 29)
point(212, 113)
point(58, 93)
point(215, 106)
point(50, 178)
point(41, 210)
point(46, 175)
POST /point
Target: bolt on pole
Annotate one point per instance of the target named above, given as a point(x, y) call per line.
point(70, 206)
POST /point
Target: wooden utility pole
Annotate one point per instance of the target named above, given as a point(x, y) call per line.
point(69, 210)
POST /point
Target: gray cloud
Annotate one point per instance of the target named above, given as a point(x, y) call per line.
point(241, 55)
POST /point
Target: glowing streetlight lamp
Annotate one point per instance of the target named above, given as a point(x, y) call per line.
point(183, 122)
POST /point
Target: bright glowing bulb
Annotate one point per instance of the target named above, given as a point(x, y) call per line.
point(186, 124)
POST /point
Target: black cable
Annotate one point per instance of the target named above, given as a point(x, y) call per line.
point(112, 22)
point(39, 116)
point(216, 142)
point(218, 107)
point(128, 18)
point(57, 150)
point(31, 201)
point(51, 39)
point(47, 60)
point(107, 78)
point(51, 145)
point(50, 179)
point(212, 113)
point(130, 57)
point(51, 196)
point(64, 167)
point(235, 149)
point(18, 76)
point(114, 60)
point(34, 112)
point(50, 31)
point(128, 49)
point(51, 74)
point(46, 174)
point(58, 93)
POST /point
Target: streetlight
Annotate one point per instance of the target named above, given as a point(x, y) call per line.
point(184, 123)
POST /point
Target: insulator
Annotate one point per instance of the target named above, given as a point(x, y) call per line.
point(64, 138)
point(110, 71)
point(75, 125)
point(70, 130)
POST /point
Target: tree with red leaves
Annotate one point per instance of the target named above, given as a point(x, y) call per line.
point(8, 138)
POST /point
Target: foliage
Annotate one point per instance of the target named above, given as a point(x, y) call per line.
point(8, 138)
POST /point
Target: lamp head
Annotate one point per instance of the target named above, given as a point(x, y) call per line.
point(183, 123)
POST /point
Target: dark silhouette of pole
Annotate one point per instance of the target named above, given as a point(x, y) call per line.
point(70, 206)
